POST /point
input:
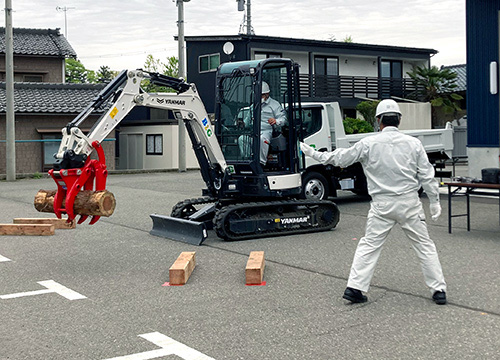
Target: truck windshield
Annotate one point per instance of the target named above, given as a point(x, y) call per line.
point(236, 117)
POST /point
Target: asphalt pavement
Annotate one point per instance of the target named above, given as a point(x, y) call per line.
point(118, 270)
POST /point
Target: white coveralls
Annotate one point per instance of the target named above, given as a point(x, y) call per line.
point(395, 166)
point(270, 109)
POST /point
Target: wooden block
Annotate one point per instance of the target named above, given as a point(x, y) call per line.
point(254, 272)
point(58, 223)
point(182, 268)
point(27, 229)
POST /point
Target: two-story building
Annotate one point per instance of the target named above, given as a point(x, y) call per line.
point(43, 103)
point(337, 71)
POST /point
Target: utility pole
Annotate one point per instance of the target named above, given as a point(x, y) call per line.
point(65, 9)
point(10, 130)
point(247, 18)
point(182, 74)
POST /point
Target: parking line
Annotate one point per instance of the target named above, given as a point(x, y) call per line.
point(52, 287)
point(168, 346)
point(3, 259)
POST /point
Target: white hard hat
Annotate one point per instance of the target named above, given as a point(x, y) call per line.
point(265, 88)
point(387, 106)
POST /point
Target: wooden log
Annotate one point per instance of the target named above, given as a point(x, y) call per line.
point(27, 229)
point(254, 271)
point(58, 223)
point(182, 268)
point(87, 202)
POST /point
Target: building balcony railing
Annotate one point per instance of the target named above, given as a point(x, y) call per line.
point(321, 86)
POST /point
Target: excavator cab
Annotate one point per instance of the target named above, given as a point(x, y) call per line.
point(253, 149)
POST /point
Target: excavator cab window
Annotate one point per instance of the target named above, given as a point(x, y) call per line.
point(236, 116)
point(245, 135)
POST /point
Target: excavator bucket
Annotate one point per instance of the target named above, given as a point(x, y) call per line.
point(188, 231)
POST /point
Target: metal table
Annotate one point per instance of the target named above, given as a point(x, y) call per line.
point(470, 189)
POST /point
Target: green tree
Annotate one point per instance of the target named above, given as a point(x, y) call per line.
point(92, 77)
point(348, 39)
point(170, 68)
point(75, 71)
point(105, 74)
point(437, 87)
point(356, 126)
point(368, 109)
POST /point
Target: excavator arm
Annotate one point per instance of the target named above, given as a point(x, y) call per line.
point(74, 170)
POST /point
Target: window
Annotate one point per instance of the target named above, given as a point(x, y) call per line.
point(324, 65)
point(326, 79)
point(391, 69)
point(32, 78)
point(391, 74)
point(154, 144)
point(260, 55)
point(311, 121)
point(209, 62)
point(50, 147)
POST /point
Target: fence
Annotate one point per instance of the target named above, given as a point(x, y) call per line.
point(354, 86)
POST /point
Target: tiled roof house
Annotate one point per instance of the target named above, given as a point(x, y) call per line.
point(461, 81)
point(43, 103)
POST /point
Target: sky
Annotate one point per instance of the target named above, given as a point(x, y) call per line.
point(121, 33)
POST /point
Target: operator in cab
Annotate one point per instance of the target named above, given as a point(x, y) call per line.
point(272, 115)
point(396, 166)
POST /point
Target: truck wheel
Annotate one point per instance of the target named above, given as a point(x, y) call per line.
point(315, 187)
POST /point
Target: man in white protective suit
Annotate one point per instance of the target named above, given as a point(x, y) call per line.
point(272, 114)
point(396, 166)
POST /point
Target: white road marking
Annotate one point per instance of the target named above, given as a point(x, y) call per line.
point(3, 258)
point(168, 346)
point(52, 287)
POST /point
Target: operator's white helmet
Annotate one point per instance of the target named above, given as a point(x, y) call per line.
point(387, 106)
point(265, 88)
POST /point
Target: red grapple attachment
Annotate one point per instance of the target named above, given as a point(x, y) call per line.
point(70, 181)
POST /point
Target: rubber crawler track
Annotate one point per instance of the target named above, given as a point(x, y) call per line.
point(269, 211)
point(187, 207)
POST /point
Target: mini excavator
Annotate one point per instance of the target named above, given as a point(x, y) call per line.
point(243, 198)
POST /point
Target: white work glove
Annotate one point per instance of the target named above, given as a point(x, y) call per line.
point(306, 149)
point(435, 210)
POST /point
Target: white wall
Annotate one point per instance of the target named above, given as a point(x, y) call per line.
point(358, 66)
point(301, 58)
point(170, 158)
point(482, 158)
point(415, 116)
point(409, 65)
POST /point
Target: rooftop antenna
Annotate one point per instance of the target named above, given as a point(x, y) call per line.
point(247, 17)
point(65, 10)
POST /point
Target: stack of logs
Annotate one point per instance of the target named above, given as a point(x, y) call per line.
point(87, 202)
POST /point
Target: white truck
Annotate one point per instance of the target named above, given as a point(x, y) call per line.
point(324, 130)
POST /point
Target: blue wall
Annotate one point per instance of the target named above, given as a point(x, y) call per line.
point(482, 48)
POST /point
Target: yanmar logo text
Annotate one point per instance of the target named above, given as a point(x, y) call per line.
point(170, 102)
point(295, 220)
